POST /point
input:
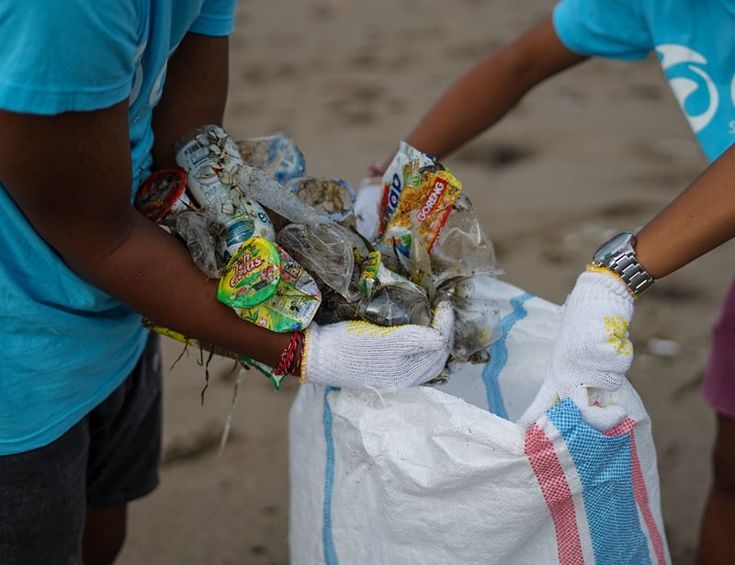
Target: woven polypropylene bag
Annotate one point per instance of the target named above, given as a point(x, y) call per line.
point(441, 475)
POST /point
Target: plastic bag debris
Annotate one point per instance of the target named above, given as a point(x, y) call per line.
point(275, 154)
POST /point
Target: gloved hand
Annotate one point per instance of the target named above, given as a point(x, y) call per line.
point(361, 355)
point(592, 350)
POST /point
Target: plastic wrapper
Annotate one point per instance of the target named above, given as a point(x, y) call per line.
point(333, 196)
point(294, 304)
point(252, 275)
point(275, 154)
point(406, 161)
point(425, 203)
point(161, 192)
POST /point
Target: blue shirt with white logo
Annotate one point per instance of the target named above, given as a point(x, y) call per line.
point(692, 39)
point(64, 344)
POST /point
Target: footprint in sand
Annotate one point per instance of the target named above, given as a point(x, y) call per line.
point(496, 155)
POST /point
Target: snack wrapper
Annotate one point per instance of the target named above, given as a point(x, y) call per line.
point(294, 303)
point(252, 275)
point(406, 161)
point(427, 199)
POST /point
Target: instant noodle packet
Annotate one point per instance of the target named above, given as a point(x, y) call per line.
point(406, 160)
point(424, 204)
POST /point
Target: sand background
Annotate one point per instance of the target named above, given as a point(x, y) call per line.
point(594, 151)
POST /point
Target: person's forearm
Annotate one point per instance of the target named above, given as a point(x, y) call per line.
point(153, 273)
point(194, 94)
point(699, 220)
point(472, 104)
point(485, 94)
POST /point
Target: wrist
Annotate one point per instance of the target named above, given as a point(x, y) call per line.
point(290, 359)
point(618, 255)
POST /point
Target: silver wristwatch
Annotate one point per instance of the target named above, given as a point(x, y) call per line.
point(618, 255)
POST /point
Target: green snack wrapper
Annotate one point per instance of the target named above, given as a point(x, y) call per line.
point(252, 274)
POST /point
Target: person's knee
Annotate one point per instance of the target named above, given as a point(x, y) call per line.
point(723, 455)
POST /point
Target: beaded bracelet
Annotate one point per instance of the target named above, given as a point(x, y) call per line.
point(290, 363)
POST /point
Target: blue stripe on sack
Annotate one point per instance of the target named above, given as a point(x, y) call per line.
point(499, 356)
point(604, 467)
point(330, 555)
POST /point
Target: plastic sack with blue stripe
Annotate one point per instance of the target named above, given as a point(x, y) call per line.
point(442, 475)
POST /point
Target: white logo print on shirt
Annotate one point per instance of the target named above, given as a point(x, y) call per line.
point(684, 86)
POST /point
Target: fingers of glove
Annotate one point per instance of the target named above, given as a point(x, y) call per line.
point(406, 341)
point(415, 370)
point(599, 417)
point(443, 320)
point(545, 398)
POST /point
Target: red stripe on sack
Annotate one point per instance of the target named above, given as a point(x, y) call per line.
point(639, 488)
point(557, 494)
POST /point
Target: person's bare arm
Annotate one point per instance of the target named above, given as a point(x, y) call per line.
point(71, 175)
point(700, 219)
point(482, 96)
point(194, 94)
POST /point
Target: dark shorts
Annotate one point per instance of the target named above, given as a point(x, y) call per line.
point(107, 459)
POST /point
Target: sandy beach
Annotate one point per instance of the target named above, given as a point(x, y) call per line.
point(597, 150)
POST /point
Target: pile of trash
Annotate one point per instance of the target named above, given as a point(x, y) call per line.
point(287, 250)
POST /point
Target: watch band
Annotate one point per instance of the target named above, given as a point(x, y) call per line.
point(630, 270)
point(618, 255)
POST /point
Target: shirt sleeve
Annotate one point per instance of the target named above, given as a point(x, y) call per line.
point(217, 18)
point(66, 55)
point(615, 29)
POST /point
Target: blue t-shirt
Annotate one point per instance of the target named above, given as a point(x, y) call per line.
point(64, 344)
point(692, 39)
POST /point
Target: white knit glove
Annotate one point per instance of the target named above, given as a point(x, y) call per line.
point(361, 355)
point(592, 350)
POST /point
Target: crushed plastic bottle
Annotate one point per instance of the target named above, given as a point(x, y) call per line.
point(202, 232)
point(462, 248)
point(395, 300)
point(212, 162)
point(323, 250)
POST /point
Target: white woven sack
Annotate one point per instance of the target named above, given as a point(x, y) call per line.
point(443, 476)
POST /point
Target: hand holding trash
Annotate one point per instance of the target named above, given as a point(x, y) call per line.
point(361, 355)
point(592, 350)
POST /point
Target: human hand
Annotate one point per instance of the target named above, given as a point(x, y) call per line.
point(592, 350)
point(361, 355)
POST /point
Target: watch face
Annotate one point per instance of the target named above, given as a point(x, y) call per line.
point(613, 246)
